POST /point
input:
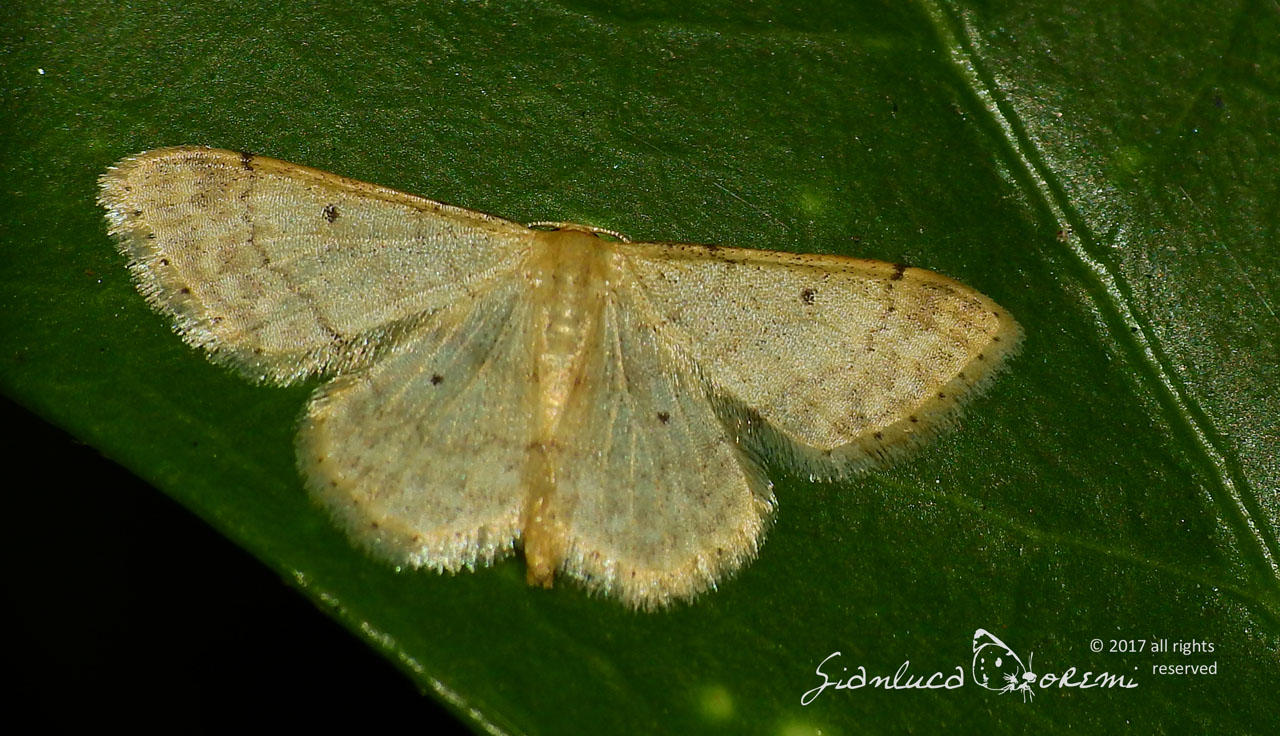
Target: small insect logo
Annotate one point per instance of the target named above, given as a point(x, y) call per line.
point(996, 667)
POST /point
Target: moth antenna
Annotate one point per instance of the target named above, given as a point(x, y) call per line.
point(547, 225)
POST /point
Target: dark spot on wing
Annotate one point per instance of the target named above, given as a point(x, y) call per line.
point(330, 212)
point(898, 269)
point(807, 296)
point(436, 379)
point(246, 160)
point(664, 417)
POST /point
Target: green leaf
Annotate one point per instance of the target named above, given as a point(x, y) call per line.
point(1107, 172)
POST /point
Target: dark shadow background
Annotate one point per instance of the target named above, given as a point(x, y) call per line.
point(130, 609)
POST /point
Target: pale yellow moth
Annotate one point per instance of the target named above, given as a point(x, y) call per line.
point(605, 404)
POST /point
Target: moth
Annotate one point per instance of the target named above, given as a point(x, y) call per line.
point(604, 405)
point(996, 666)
